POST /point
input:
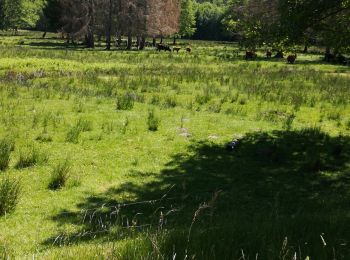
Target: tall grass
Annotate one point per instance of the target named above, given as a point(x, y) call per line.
point(153, 121)
point(60, 175)
point(30, 156)
point(9, 195)
point(6, 147)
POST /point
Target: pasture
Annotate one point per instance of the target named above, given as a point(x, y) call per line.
point(122, 154)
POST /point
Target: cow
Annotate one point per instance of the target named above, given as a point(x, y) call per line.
point(250, 55)
point(268, 54)
point(279, 55)
point(176, 49)
point(291, 58)
point(341, 59)
point(189, 49)
point(162, 47)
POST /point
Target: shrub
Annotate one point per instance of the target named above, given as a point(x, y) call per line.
point(125, 102)
point(30, 157)
point(153, 121)
point(9, 195)
point(60, 175)
point(6, 147)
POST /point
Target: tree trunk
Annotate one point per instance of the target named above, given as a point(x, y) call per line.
point(129, 42)
point(109, 26)
point(138, 42)
point(305, 48)
point(154, 42)
point(161, 40)
point(119, 39)
point(328, 57)
point(174, 41)
point(142, 43)
point(90, 41)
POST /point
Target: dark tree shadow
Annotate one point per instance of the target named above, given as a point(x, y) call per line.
point(214, 202)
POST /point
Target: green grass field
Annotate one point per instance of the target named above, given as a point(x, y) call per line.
point(122, 154)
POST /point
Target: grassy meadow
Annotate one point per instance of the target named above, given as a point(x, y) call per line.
point(123, 154)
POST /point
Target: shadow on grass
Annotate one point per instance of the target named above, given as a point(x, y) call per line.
point(276, 194)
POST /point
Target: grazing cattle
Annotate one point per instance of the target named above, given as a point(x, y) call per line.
point(189, 49)
point(279, 55)
point(329, 57)
point(176, 49)
point(268, 54)
point(250, 55)
point(341, 59)
point(148, 44)
point(291, 58)
point(162, 47)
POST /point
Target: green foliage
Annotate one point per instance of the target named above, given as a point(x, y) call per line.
point(209, 22)
point(283, 23)
point(187, 18)
point(16, 14)
point(6, 147)
point(9, 195)
point(60, 175)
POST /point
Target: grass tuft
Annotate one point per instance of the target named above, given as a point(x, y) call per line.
point(125, 102)
point(60, 175)
point(29, 157)
point(153, 121)
point(9, 195)
point(6, 147)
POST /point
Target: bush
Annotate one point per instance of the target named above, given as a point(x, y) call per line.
point(6, 147)
point(9, 195)
point(125, 102)
point(153, 121)
point(60, 175)
point(30, 157)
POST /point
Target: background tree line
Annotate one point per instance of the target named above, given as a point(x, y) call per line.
point(275, 24)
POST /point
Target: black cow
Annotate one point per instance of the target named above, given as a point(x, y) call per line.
point(163, 47)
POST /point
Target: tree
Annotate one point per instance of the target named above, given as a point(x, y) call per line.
point(51, 16)
point(162, 18)
point(187, 19)
point(283, 23)
point(12, 12)
point(209, 22)
point(78, 20)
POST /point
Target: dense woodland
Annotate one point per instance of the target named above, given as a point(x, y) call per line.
point(277, 24)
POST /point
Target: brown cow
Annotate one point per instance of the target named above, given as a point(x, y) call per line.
point(176, 49)
point(250, 55)
point(291, 58)
point(189, 49)
point(268, 54)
